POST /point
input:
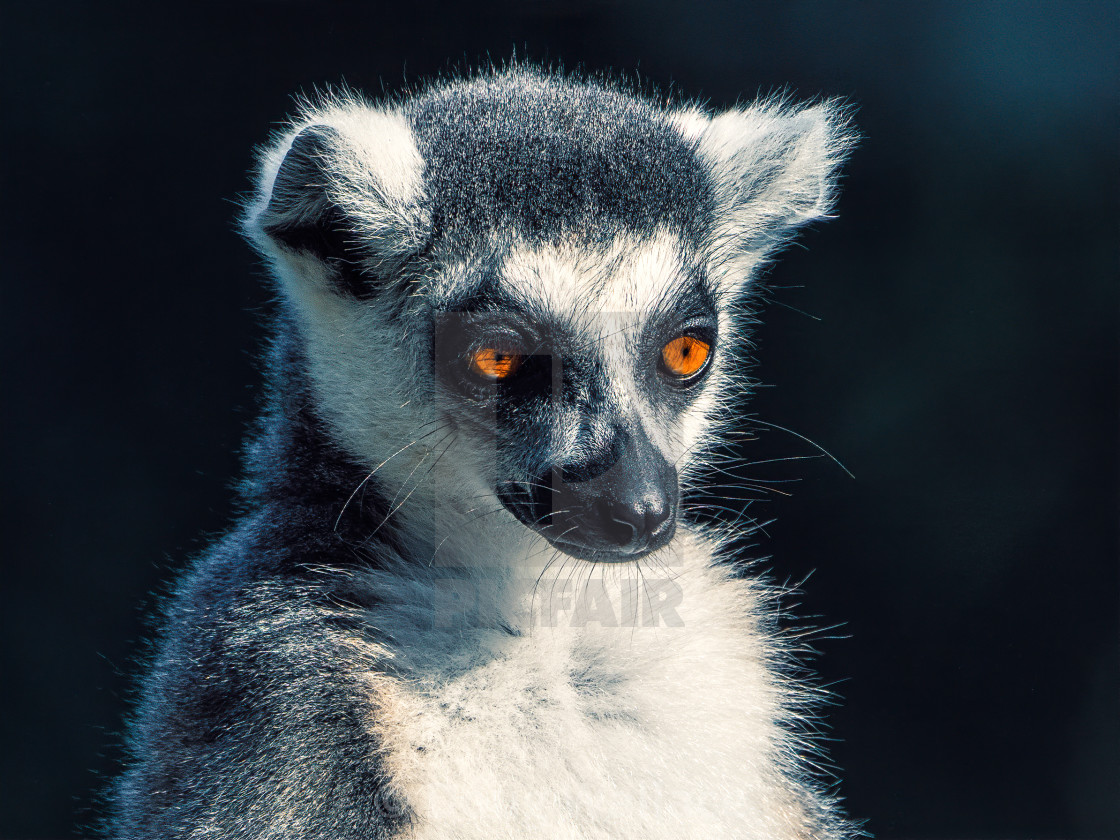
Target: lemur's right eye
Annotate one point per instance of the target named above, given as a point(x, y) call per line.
point(685, 357)
point(493, 364)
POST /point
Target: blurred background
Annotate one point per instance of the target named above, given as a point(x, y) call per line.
point(951, 338)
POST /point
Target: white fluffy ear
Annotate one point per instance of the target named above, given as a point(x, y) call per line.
point(774, 168)
point(343, 186)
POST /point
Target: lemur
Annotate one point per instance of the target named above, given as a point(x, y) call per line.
point(461, 600)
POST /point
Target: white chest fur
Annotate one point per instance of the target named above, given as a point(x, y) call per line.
point(593, 731)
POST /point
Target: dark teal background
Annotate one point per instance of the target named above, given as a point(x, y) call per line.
point(960, 357)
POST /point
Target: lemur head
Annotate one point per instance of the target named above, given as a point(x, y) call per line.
point(531, 281)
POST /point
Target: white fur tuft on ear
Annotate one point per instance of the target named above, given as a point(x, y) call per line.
point(345, 170)
point(774, 166)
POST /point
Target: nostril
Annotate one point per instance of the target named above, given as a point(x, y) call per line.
point(624, 525)
point(635, 523)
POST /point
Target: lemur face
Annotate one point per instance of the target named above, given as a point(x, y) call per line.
point(578, 364)
point(539, 274)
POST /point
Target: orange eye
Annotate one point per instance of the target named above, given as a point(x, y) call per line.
point(493, 364)
point(685, 356)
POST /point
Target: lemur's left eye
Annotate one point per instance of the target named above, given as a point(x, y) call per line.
point(493, 364)
point(685, 357)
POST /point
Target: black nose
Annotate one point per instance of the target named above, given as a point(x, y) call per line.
point(640, 523)
point(616, 506)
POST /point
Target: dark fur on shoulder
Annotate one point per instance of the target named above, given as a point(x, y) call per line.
point(257, 648)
